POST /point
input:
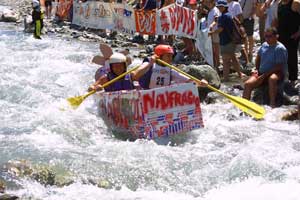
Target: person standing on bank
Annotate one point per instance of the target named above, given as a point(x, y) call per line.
point(48, 5)
point(249, 8)
point(288, 25)
point(228, 48)
point(37, 19)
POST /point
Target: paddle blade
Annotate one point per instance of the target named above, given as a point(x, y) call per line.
point(251, 108)
point(76, 101)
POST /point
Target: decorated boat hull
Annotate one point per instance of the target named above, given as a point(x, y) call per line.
point(152, 113)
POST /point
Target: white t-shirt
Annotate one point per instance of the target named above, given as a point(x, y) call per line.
point(162, 76)
point(211, 16)
point(234, 8)
point(247, 8)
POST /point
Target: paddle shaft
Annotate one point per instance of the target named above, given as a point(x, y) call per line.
point(120, 76)
point(249, 107)
point(195, 79)
point(112, 81)
point(76, 101)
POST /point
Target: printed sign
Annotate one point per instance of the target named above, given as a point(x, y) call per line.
point(100, 15)
point(176, 20)
point(153, 113)
point(92, 14)
point(124, 18)
point(63, 8)
point(122, 110)
point(145, 21)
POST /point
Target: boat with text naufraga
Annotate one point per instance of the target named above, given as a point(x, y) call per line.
point(153, 113)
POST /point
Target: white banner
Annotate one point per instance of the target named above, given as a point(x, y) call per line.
point(203, 42)
point(176, 20)
point(100, 15)
point(93, 14)
point(124, 18)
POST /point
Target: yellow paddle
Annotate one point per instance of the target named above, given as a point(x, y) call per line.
point(245, 105)
point(76, 101)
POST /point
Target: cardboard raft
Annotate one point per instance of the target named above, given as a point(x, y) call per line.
point(152, 113)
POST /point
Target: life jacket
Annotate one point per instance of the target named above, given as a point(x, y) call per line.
point(121, 84)
point(156, 76)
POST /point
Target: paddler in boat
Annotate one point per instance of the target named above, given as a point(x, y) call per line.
point(152, 74)
point(118, 65)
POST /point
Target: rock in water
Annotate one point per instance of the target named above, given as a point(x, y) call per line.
point(8, 197)
point(8, 15)
point(204, 72)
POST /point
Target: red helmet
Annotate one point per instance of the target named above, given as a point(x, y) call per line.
point(163, 49)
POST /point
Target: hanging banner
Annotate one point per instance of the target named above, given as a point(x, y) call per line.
point(92, 14)
point(145, 21)
point(176, 20)
point(63, 8)
point(203, 42)
point(124, 18)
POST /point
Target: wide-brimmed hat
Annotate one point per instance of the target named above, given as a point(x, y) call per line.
point(222, 3)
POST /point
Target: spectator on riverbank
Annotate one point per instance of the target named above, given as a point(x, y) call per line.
point(271, 67)
point(288, 25)
point(228, 48)
point(37, 19)
point(48, 5)
point(235, 9)
point(248, 11)
point(212, 19)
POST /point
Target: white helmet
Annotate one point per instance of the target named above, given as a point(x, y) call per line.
point(35, 3)
point(117, 58)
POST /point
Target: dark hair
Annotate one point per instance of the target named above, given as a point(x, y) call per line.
point(273, 30)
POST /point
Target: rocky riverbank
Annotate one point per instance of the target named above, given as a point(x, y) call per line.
point(19, 13)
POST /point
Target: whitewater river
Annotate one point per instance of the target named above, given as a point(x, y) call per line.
point(233, 157)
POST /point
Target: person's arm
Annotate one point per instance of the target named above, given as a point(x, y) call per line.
point(137, 74)
point(257, 62)
point(218, 30)
point(240, 17)
point(262, 7)
point(212, 25)
point(253, 8)
point(98, 84)
point(239, 12)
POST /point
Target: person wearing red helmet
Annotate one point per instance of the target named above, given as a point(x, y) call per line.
point(152, 75)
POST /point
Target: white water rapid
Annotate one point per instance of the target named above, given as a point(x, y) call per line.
point(233, 158)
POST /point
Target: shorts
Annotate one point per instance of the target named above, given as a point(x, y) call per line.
point(249, 26)
point(48, 3)
point(228, 48)
point(215, 38)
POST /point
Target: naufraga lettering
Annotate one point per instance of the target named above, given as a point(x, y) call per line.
point(168, 100)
